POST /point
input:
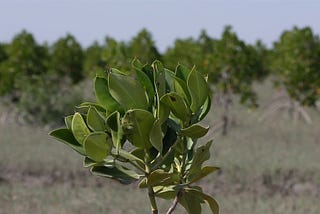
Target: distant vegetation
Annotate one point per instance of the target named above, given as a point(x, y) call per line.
point(43, 82)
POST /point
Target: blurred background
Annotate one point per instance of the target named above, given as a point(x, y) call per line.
point(262, 59)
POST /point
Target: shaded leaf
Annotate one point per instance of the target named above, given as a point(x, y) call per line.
point(103, 95)
point(137, 125)
point(156, 136)
point(201, 155)
point(65, 136)
point(116, 172)
point(194, 131)
point(213, 204)
point(177, 105)
point(203, 173)
point(95, 121)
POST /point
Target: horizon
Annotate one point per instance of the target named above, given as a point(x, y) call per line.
point(167, 21)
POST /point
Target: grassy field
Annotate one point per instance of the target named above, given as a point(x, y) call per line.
point(267, 167)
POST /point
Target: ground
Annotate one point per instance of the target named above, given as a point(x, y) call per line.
point(266, 167)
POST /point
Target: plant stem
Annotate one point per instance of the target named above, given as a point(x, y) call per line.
point(174, 204)
point(151, 193)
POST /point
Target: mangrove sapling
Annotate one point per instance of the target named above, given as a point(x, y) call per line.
point(157, 112)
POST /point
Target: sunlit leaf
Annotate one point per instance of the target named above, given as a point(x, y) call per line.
point(97, 146)
point(79, 128)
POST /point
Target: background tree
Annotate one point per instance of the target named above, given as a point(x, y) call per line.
point(25, 61)
point(185, 51)
point(143, 47)
point(115, 54)
point(233, 68)
point(296, 66)
point(67, 59)
point(93, 62)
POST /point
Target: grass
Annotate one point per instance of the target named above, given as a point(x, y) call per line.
point(267, 167)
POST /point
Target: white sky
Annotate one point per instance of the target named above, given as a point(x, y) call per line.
point(90, 20)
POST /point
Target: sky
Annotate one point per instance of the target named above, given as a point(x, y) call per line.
point(90, 20)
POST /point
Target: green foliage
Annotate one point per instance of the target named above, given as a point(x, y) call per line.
point(66, 59)
point(159, 126)
point(234, 66)
point(296, 62)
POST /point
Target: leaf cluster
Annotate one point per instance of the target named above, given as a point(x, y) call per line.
point(144, 127)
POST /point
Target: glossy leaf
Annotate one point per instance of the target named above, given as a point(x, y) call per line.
point(79, 128)
point(198, 89)
point(194, 131)
point(156, 136)
point(95, 121)
point(116, 172)
point(205, 109)
point(103, 95)
point(127, 91)
point(137, 125)
point(97, 146)
point(177, 105)
point(65, 136)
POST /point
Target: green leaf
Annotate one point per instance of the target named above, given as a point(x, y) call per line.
point(127, 91)
point(191, 203)
point(180, 87)
point(182, 72)
point(68, 121)
point(194, 131)
point(203, 173)
point(213, 204)
point(87, 162)
point(129, 156)
point(159, 78)
point(156, 135)
point(205, 109)
point(116, 172)
point(147, 84)
point(160, 178)
point(95, 121)
point(65, 136)
point(137, 124)
point(201, 155)
point(167, 193)
point(97, 146)
point(177, 105)
point(98, 107)
point(198, 89)
point(114, 123)
point(164, 112)
point(103, 95)
point(79, 128)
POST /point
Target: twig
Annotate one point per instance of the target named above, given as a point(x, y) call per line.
point(175, 203)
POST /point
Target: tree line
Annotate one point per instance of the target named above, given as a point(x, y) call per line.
point(42, 81)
